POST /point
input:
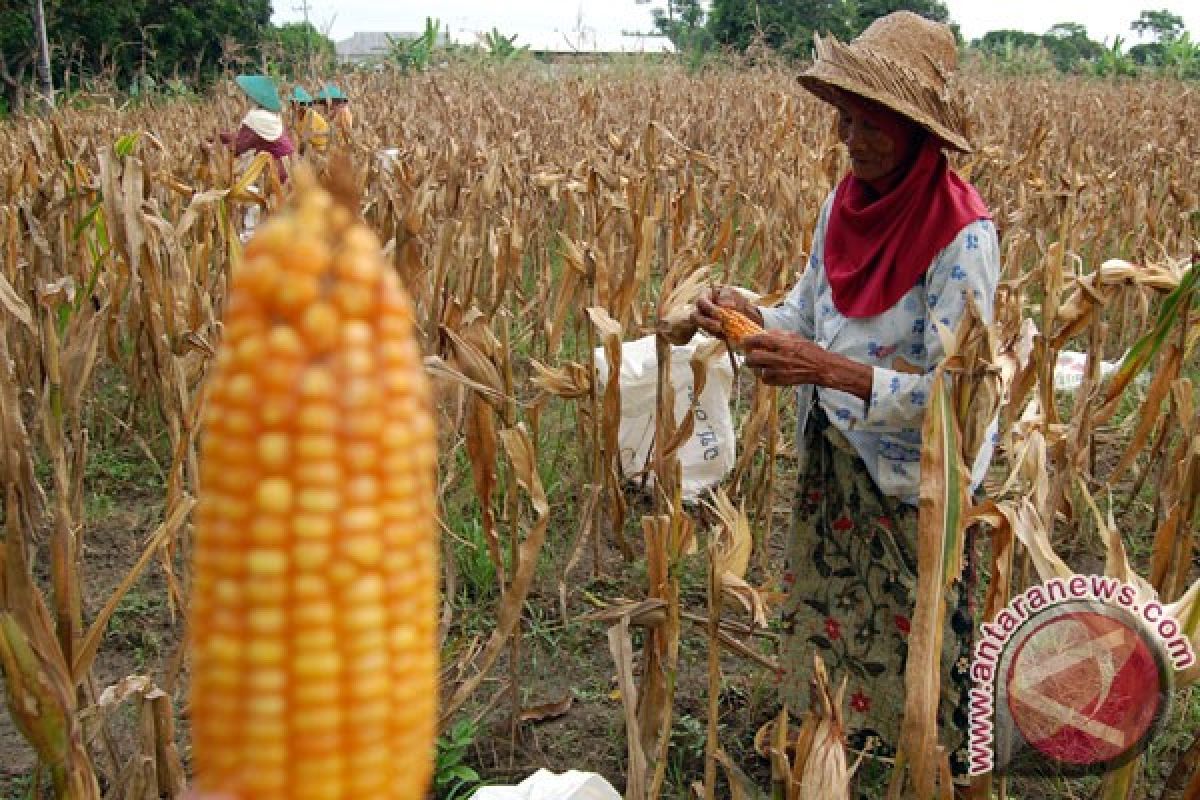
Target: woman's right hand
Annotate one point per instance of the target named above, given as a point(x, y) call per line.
point(705, 314)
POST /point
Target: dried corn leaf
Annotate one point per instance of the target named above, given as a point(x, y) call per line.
point(571, 381)
point(1151, 408)
point(1175, 306)
point(735, 543)
point(620, 644)
point(15, 306)
point(548, 711)
point(942, 505)
point(820, 768)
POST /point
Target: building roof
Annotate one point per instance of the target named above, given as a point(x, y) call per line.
point(587, 41)
point(368, 44)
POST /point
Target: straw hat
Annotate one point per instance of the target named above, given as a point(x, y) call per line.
point(300, 95)
point(903, 62)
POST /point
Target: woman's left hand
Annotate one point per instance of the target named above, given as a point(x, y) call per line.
point(786, 359)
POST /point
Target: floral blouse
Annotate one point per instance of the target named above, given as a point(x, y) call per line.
point(902, 347)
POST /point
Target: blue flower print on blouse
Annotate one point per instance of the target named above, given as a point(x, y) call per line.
point(894, 451)
point(876, 350)
point(958, 273)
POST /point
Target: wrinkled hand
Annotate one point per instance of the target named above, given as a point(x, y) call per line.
point(705, 315)
point(787, 359)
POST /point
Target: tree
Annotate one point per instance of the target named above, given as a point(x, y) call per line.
point(123, 38)
point(1115, 63)
point(201, 37)
point(16, 52)
point(301, 49)
point(1147, 54)
point(1068, 42)
point(418, 53)
point(683, 23)
point(42, 45)
point(503, 48)
point(785, 25)
point(1004, 40)
point(1181, 58)
point(93, 38)
point(1163, 24)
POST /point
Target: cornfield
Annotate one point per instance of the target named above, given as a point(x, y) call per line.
point(537, 218)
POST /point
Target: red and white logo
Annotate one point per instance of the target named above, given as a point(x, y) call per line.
point(1074, 676)
point(1084, 687)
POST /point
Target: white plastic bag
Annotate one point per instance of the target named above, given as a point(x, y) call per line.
point(387, 157)
point(1071, 364)
point(709, 454)
point(250, 222)
point(545, 785)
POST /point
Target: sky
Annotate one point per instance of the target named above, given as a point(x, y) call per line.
point(1104, 19)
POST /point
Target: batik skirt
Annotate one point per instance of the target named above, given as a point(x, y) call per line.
point(851, 588)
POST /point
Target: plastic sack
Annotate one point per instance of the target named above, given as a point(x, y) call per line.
point(1069, 369)
point(1070, 366)
point(709, 454)
point(387, 158)
point(545, 785)
point(250, 222)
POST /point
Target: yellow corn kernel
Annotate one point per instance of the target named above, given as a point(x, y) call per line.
point(314, 625)
point(737, 326)
point(320, 324)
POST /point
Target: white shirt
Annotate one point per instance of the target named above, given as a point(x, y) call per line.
point(887, 431)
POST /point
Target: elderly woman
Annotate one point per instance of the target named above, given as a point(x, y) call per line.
point(901, 245)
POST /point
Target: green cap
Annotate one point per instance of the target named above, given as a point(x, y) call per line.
point(331, 92)
point(261, 89)
point(301, 95)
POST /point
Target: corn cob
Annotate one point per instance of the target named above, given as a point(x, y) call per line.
point(736, 325)
point(313, 610)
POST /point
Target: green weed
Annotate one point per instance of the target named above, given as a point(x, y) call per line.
point(453, 778)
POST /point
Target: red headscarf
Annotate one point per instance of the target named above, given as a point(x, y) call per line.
point(877, 248)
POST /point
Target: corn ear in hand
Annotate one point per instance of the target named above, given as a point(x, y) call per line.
point(736, 326)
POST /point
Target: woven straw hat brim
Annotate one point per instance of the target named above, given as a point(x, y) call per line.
point(896, 86)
